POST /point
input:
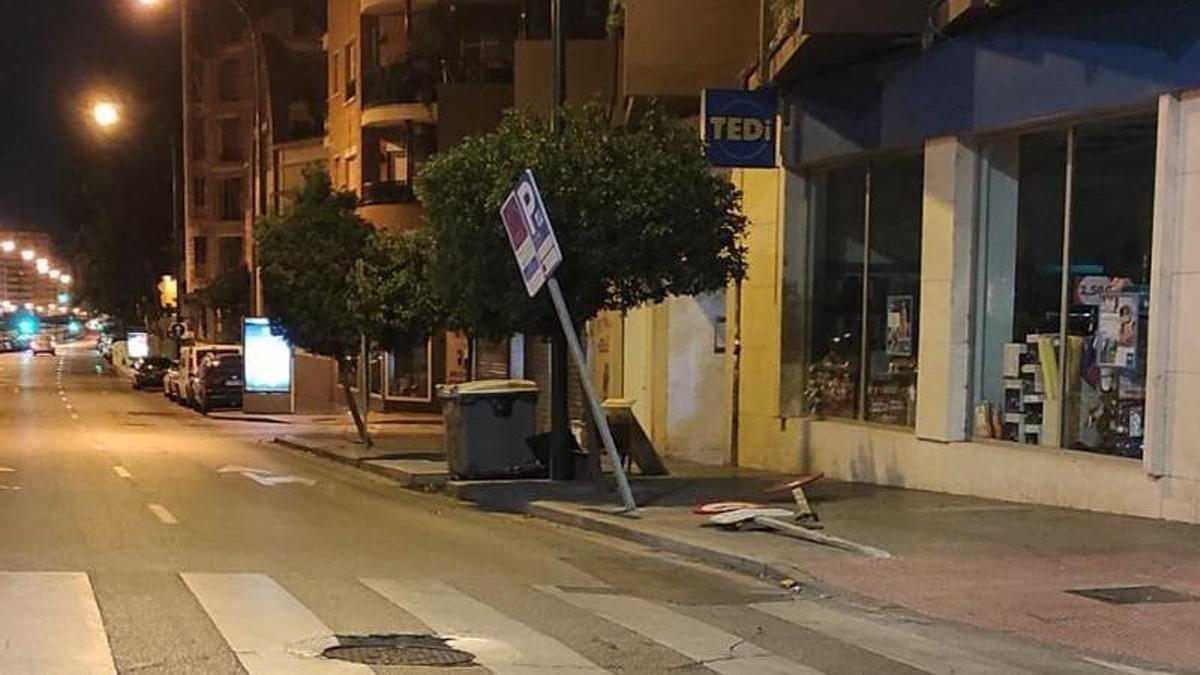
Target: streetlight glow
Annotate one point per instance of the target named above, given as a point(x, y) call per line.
point(54, 274)
point(43, 265)
point(106, 114)
point(27, 255)
point(9, 246)
point(65, 279)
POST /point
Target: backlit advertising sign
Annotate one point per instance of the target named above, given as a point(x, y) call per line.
point(267, 358)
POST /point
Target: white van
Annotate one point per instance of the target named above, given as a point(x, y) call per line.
point(189, 366)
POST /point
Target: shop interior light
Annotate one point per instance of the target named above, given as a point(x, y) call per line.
point(8, 246)
point(27, 255)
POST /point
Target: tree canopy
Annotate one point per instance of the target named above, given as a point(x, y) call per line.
point(638, 213)
point(307, 254)
point(392, 297)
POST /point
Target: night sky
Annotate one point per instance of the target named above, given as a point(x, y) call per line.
point(53, 55)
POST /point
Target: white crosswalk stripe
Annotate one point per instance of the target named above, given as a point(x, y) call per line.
point(268, 630)
point(891, 642)
point(43, 612)
point(714, 648)
point(502, 644)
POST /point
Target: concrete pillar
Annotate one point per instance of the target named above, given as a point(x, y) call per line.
point(1173, 366)
point(944, 358)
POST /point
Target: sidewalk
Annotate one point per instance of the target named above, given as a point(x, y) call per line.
point(996, 565)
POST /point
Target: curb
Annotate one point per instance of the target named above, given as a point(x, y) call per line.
point(403, 478)
point(701, 554)
point(544, 511)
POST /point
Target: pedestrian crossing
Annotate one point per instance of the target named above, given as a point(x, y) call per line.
point(269, 630)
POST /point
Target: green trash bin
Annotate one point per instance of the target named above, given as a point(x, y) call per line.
point(487, 424)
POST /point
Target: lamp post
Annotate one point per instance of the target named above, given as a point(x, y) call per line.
point(108, 117)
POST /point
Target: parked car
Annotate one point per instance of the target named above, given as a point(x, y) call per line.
point(42, 344)
point(149, 372)
point(190, 359)
point(219, 382)
point(171, 383)
point(8, 344)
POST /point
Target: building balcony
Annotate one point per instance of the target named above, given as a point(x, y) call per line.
point(397, 93)
point(386, 192)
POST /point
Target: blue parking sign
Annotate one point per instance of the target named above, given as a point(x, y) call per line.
point(530, 234)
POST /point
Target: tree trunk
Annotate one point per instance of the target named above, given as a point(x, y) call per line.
point(352, 403)
point(561, 459)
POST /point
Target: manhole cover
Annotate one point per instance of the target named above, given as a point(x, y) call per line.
point(1133, 595)
point(398, 650)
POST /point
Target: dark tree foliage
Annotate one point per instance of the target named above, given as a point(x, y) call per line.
point(637, 211)
point(392, 297)
point(307, 254)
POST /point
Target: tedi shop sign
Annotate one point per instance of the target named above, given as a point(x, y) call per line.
point(739, 127)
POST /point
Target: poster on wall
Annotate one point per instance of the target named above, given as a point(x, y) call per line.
point(138, 345)
point(1117, 333)
point(899, 325)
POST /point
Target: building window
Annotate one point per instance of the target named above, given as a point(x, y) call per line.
point(865, 266)
point(231, 253)
point(199, 191)
point(408, 371)
point(200, 252)
point(1063, 286)
point(232, 148)
point(335, 73)
point(227, 80)
point(233, 196)
point(198, 145)
point(351, 65)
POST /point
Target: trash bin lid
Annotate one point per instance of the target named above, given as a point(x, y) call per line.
point(488, 387)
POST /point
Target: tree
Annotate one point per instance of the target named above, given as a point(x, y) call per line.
point(392, 296)
point(639, 216)
point(307, 254)
point(229, 295)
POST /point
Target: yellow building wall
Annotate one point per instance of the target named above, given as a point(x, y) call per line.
point(765, 440)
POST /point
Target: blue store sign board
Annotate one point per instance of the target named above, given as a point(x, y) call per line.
point(739, 127)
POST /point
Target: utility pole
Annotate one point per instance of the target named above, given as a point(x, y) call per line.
point(561, 461)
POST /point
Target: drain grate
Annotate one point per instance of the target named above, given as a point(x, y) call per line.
point(398, 650)
point(1133, 595)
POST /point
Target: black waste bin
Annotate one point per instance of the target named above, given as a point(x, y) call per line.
point(487, 424)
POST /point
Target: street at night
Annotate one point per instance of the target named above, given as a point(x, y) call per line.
point(132, 541)
point(827, 337)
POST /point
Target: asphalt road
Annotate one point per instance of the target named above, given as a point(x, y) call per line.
point(139, 537)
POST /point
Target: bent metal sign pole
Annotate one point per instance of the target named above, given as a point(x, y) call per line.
point(538, 256)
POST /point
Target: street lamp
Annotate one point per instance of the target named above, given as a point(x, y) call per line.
point(107, 114)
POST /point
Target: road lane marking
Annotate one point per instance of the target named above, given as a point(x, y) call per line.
point(11, 488)
point(162, 514)
point(499, 643)
point(707, 645)
point(51, 624)
point(5, 469)
point(897, 644)
point(263, 624)
point(266, 477)
point(122, 472)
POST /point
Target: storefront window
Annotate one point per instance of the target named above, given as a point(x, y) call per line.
point(375, 373)
point(867, 225)
point(1061, 348)
point(408, 371)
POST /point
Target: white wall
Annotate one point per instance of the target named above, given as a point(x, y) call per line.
point(698, 394)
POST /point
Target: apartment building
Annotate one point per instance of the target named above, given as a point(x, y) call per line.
point(270, 61)
point(407, 78)
point(24, 281)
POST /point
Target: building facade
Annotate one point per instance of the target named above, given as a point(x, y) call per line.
point(24, 284)
point(970, 272)
point(225, 185)
point(407, 78)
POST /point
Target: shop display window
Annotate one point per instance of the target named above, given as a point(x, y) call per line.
point(865, 261)
point(1062, 287)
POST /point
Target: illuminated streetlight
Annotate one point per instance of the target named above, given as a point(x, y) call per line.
point(27, 255)
point(106, 114)
point(9, 246)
